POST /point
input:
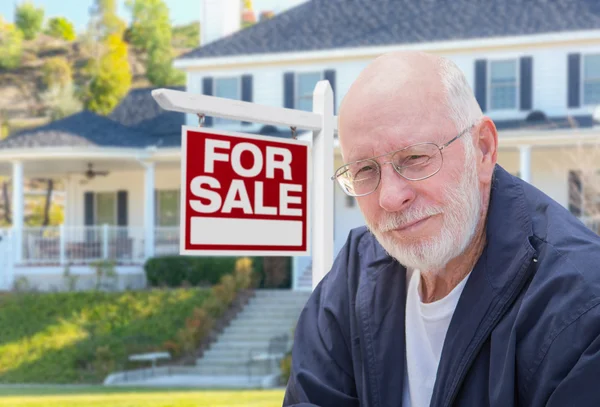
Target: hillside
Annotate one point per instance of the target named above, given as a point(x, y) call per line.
point(21, 103)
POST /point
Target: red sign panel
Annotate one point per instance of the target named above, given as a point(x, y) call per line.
point(243, 194)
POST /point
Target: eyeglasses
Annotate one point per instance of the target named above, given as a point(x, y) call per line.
point(414, 163)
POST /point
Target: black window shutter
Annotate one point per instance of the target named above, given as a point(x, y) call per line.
point(481, 82)
point(288, 90)
point(207, 89)
point(330, 76)
point(88, 215)
point(247, 91)
point(574, 79)
point(122, 208)
point(575, 189)
point(526, 83)
point(88, 210)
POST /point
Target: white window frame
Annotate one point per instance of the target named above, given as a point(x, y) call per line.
point(177, 192)
point(582, 80)
point(116, 219)
point(297, 82)
point(219, 120)
point(517, 62)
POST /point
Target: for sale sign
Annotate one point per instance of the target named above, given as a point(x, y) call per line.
point(243, 194)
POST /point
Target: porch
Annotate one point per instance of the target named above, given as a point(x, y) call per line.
point(83, 245)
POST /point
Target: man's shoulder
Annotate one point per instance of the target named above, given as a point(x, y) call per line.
point(360, 258)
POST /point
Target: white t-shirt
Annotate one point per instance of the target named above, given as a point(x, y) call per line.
point(425, 330)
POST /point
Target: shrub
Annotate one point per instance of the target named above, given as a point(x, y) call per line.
point(56, 73)
point(60, 27)
point(286, 367)
point(11, 45)
point(172, 271)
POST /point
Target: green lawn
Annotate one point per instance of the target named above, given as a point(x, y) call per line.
point(98, 396)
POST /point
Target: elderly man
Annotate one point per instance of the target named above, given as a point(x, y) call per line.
point(468, 287)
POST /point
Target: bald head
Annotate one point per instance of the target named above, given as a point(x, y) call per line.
point(402, 88)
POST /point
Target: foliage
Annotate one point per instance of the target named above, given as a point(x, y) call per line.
point(56, 71)
point(199, 325)
point(29, 19)
point(286, 367)
point(60, 27)
point(173, 271)
point(151, 33)
point(61, 101)
point(186, 36)
point(118, 396)
point(76, 337)
point(106, 274)
point(111, 78)
point(105, 21)
point(11, 45)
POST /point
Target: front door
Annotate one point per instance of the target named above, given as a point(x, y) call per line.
point(6, 259)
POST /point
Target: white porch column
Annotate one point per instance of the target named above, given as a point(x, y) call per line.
point(525, 163)
point(149, 209)
point(18, 209)
point(322, 193)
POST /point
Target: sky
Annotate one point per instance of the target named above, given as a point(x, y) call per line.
point(181, 11)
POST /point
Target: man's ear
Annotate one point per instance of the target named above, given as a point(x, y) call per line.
point(486, 146)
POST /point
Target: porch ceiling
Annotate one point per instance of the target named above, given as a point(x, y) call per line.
point(60, 166)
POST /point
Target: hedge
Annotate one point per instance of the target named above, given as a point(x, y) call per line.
point(177, 271)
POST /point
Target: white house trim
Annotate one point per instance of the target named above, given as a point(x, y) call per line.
point(149, 176)
point(369, 52)
point(18, 208)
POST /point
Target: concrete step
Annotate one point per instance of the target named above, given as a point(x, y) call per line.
point(233, 345)
point(216, 356)
point(270, 330)
point(257, 337)
point(238, 370)
point(268, 316)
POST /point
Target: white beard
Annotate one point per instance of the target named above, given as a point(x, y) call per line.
point(460, 217)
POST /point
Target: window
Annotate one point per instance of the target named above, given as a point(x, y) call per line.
point(305, 86)
point(503, 85)
point(106, 208)
point(167, 208)
point(591, 79)
point(228, 88)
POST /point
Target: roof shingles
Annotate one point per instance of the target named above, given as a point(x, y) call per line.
point(330, 24)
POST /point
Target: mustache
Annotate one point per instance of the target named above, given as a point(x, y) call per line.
point(396, 220)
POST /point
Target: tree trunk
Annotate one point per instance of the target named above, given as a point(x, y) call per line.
point(48, 202)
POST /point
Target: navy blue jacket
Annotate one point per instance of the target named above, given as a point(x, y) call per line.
point(526, 330)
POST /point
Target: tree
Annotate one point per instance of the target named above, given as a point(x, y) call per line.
point(111, 77)
point(60, 27)
point(104, 20)
point(151, 32)
point(11, 45)
point(29, 19)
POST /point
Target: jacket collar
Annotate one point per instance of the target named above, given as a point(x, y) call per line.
point(493, 284)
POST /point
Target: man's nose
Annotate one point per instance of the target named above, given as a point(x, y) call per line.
point(395, 192)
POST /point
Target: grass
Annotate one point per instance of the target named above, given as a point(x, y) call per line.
point(98, 396)
point(80, 337)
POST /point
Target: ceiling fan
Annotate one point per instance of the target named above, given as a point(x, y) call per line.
point(90, 174)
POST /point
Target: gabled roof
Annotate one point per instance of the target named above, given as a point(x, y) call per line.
point(331, 24)
point(139, 110)
point(81, 129)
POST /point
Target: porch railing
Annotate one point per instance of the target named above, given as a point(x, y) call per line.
point(166, 240)
point(82, 244)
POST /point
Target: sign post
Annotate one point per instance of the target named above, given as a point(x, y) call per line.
point(242, 194)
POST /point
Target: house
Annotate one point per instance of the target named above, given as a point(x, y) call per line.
point(534, 67)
